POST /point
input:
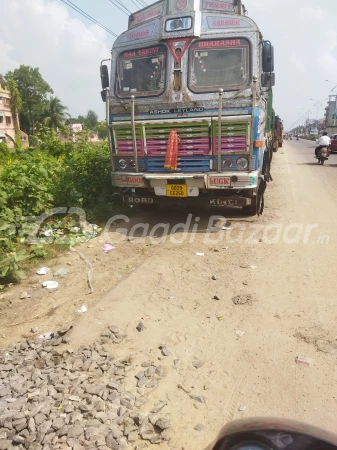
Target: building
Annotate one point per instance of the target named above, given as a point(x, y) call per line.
point(331, 115)
point(7, 123)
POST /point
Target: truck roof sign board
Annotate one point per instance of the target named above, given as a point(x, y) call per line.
point(140, 33)
point(212, 5)
point(227, 22)
point(145, 15)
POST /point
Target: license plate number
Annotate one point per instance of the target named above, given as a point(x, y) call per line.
point(176, 190)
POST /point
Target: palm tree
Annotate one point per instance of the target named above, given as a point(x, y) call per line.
point(55, 114)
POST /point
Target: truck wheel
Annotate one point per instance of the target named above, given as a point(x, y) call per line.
point(257, 206)
point(251, 210)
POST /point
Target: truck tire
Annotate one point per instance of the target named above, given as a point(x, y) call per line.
point(252, 209)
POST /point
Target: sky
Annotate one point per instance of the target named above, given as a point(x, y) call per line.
point(68, 48)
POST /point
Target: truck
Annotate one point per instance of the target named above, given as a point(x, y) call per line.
point(189, 106)
point(278, 133)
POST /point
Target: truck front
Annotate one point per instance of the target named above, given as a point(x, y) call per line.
point(187, 106)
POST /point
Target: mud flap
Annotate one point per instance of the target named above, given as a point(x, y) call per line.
point(267, 163)
point(260, 196)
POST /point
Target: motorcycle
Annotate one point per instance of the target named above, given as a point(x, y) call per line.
point(297, 139)
point(323, 155)
point(273, 434)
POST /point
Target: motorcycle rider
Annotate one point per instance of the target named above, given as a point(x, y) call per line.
point(323, 141)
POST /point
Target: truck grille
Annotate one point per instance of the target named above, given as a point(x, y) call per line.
point(185, 164)
point(197, 142)
point(123, 140)
point(194, 137)
point(234, 137)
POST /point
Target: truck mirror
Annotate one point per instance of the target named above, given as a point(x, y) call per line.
point(104, 77)
point(268, 80)
point(103, 95)
point(267, 57)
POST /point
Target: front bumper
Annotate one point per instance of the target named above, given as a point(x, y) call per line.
point(225, 180)
point(215, 202)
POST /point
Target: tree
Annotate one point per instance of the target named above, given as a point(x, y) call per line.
point(91, 120)
point(15, 104)
point(34, 90)
point(55, 114)
point(3, 82)
point(101, 129)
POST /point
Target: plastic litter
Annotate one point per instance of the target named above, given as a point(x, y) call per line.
point(43, 271)
point(48, 233)
point(303, 361)
point(25, 295)
point(107, 248)
point(76, 229)
point(242, 408)
point(34, 330)
point(83, 309)
point(226, 228)
point(171, 297)
point(129, 266)
point(50, 284)
point(200, 254)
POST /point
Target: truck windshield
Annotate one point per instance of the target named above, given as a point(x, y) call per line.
point(141, 72)
point(216, 64)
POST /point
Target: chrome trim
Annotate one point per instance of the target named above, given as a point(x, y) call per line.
point(134, 137)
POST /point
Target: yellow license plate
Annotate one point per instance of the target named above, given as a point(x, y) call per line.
point(176, 190)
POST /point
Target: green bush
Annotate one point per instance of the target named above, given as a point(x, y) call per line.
point(85, 179)
point(28, 181)
point(51, 174)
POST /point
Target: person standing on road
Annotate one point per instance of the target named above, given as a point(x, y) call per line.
point(323, 141)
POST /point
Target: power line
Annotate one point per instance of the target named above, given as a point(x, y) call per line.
point(135, 4)
point(118, 7)
point(120, 3)
point(140, 2)
point(87, 16)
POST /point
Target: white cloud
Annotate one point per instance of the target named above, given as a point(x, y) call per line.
point(312, 13)
point(298, 64)
point(68, 52)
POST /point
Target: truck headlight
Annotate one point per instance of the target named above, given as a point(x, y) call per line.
point(122, 164)
point(242, 163)
point(132, 163)
point(227, 163)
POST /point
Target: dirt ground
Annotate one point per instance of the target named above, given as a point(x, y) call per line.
point(274, 278)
